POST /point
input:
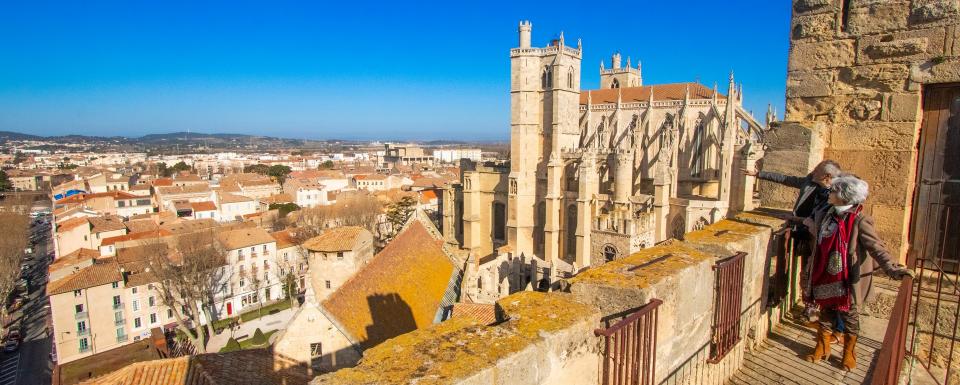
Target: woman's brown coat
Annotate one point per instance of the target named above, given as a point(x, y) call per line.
point(863, 241)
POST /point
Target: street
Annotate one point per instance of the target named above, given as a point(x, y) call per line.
point(31, 363)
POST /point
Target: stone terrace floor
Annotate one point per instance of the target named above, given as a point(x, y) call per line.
point(779, 360)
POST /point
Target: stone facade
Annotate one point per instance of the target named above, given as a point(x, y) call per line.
point(628, 164)
point(855, 78)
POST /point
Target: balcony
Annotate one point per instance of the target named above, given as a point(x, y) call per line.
point(118, 306)
point(83, 333)
point(84, 349)
point(81, 315)
point(119, 322)
point(123, 338)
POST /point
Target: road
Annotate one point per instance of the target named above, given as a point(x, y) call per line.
point(31, 364)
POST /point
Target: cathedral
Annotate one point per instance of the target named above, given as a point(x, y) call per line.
point(595, 175)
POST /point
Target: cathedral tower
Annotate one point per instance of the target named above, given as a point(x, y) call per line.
point(544, 110)
point(620, 76)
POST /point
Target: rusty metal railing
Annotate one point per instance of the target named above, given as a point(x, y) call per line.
point(728, 301)
point(630, 348)
point(891, 356)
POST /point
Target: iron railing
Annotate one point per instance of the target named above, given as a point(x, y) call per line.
point(630, 348)
point(727, 305)
point(891, 356)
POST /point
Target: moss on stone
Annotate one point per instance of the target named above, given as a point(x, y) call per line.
point(461, 347)
point(723, 232)
point(645, 267)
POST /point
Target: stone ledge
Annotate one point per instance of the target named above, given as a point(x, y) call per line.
point(541, 328)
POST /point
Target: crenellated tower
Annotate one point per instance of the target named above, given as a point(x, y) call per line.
point(620, 76)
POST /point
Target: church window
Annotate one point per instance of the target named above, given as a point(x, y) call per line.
point(571, 230)
point(499, 221)
point(570, 78)
point(546, 78)
point(844, 15)
point(697, 162)
point(609, 253)
point(615, 84)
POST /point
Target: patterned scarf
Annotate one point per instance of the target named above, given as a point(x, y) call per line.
point(830, 274)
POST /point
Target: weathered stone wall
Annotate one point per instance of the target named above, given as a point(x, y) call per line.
point(855, 79)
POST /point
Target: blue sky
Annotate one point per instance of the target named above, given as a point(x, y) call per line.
point(354, 70)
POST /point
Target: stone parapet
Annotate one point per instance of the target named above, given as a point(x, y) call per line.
point(547, 338)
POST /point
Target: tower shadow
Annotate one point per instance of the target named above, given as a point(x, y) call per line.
point(391, 316)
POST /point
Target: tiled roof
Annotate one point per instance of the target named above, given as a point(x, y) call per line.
point(188, 226)
point(138, 273)
point(244, 367)
point(370, 177)
point(246, 237)
point(106, 223)
point(279, 198)
point(141, 225)
point(71, 224)
point(102, 272)
point(399, 291)
point(232, 198)
point(158, 233)
point(335, 239)
point(427, 196)
point(661, 92)
point(82, 197)
point(486, 314)
point(162, 182)
point(78, 255)
point(284, 238)
point(186, 189)
point(203, 206)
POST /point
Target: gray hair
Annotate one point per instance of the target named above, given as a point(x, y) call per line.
point(830, 167)
point(850, 189)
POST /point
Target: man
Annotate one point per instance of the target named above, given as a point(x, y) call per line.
point(814, 194)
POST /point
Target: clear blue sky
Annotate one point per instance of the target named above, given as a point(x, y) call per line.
point(348, 69)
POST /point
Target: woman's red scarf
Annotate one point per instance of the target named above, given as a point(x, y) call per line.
point(830, 275)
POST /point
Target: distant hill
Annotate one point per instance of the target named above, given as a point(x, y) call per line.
point(9, 135)
point(194, 136)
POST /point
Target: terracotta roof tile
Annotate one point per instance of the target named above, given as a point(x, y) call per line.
point(106, 223)
point(203, 206)
point(102, 272)
point(186, 189)
point(400, 290)
point(486, 314)
point(661, 92)
point(71, 224)
point(284, 238)
point(335, 239)
point(245, 237)
point(232, 198)
point(77, 256)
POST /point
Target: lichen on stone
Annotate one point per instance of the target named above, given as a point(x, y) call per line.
point(645, 267)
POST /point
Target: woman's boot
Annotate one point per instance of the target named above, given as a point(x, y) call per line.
point(822, 350)
point(849, 351)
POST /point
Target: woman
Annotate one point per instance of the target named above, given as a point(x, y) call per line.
point(839, 279)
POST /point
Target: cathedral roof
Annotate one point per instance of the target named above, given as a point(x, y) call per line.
point(661, 92)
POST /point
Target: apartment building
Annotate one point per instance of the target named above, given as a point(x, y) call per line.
point(251, 255)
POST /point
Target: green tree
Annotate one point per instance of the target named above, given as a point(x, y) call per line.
point(181, 166)
point(279, 172)
point(5, 184)
point(398, 213)
point(284, 208)
point(162, 169)
point(258, 339)
point(326, 165)
point(19, 158)
point(258, 168)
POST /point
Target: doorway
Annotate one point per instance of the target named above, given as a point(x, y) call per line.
point(936, 217)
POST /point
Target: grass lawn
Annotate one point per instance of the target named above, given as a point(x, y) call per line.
point(247, 343)
point(253, 314)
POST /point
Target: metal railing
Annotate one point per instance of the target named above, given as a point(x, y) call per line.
point(891, 356)
point(81, 315)
point(123, 338)
point(727, 305)
point(83, 333)
point(118, 322)
point(117, 306)
point(630, 348)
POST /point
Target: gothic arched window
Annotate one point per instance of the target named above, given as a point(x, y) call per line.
point(697, 161)
point(546, 78)
point(570, 78)
point(499, 221)
point(571, 230)
point(615, 84)
point(609, 252)
point(679, 228)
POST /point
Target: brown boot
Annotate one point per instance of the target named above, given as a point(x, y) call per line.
point(822, 350)
point(849, 351)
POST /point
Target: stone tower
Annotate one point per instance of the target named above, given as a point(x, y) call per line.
point(544, 110)
point(620, 76)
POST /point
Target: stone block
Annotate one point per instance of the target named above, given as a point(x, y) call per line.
point(826, 54)
point(932, 11)
point(820, 26)
point(877, 77)
point(877, 16)
point(807, 6)
point(810, 83)
point(902, 107)
point(902, 47)
point(872, 165)
point(873, 135)
point(930, 72)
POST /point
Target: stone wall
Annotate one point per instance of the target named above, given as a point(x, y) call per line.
point(855, 80)
point(547, 338)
